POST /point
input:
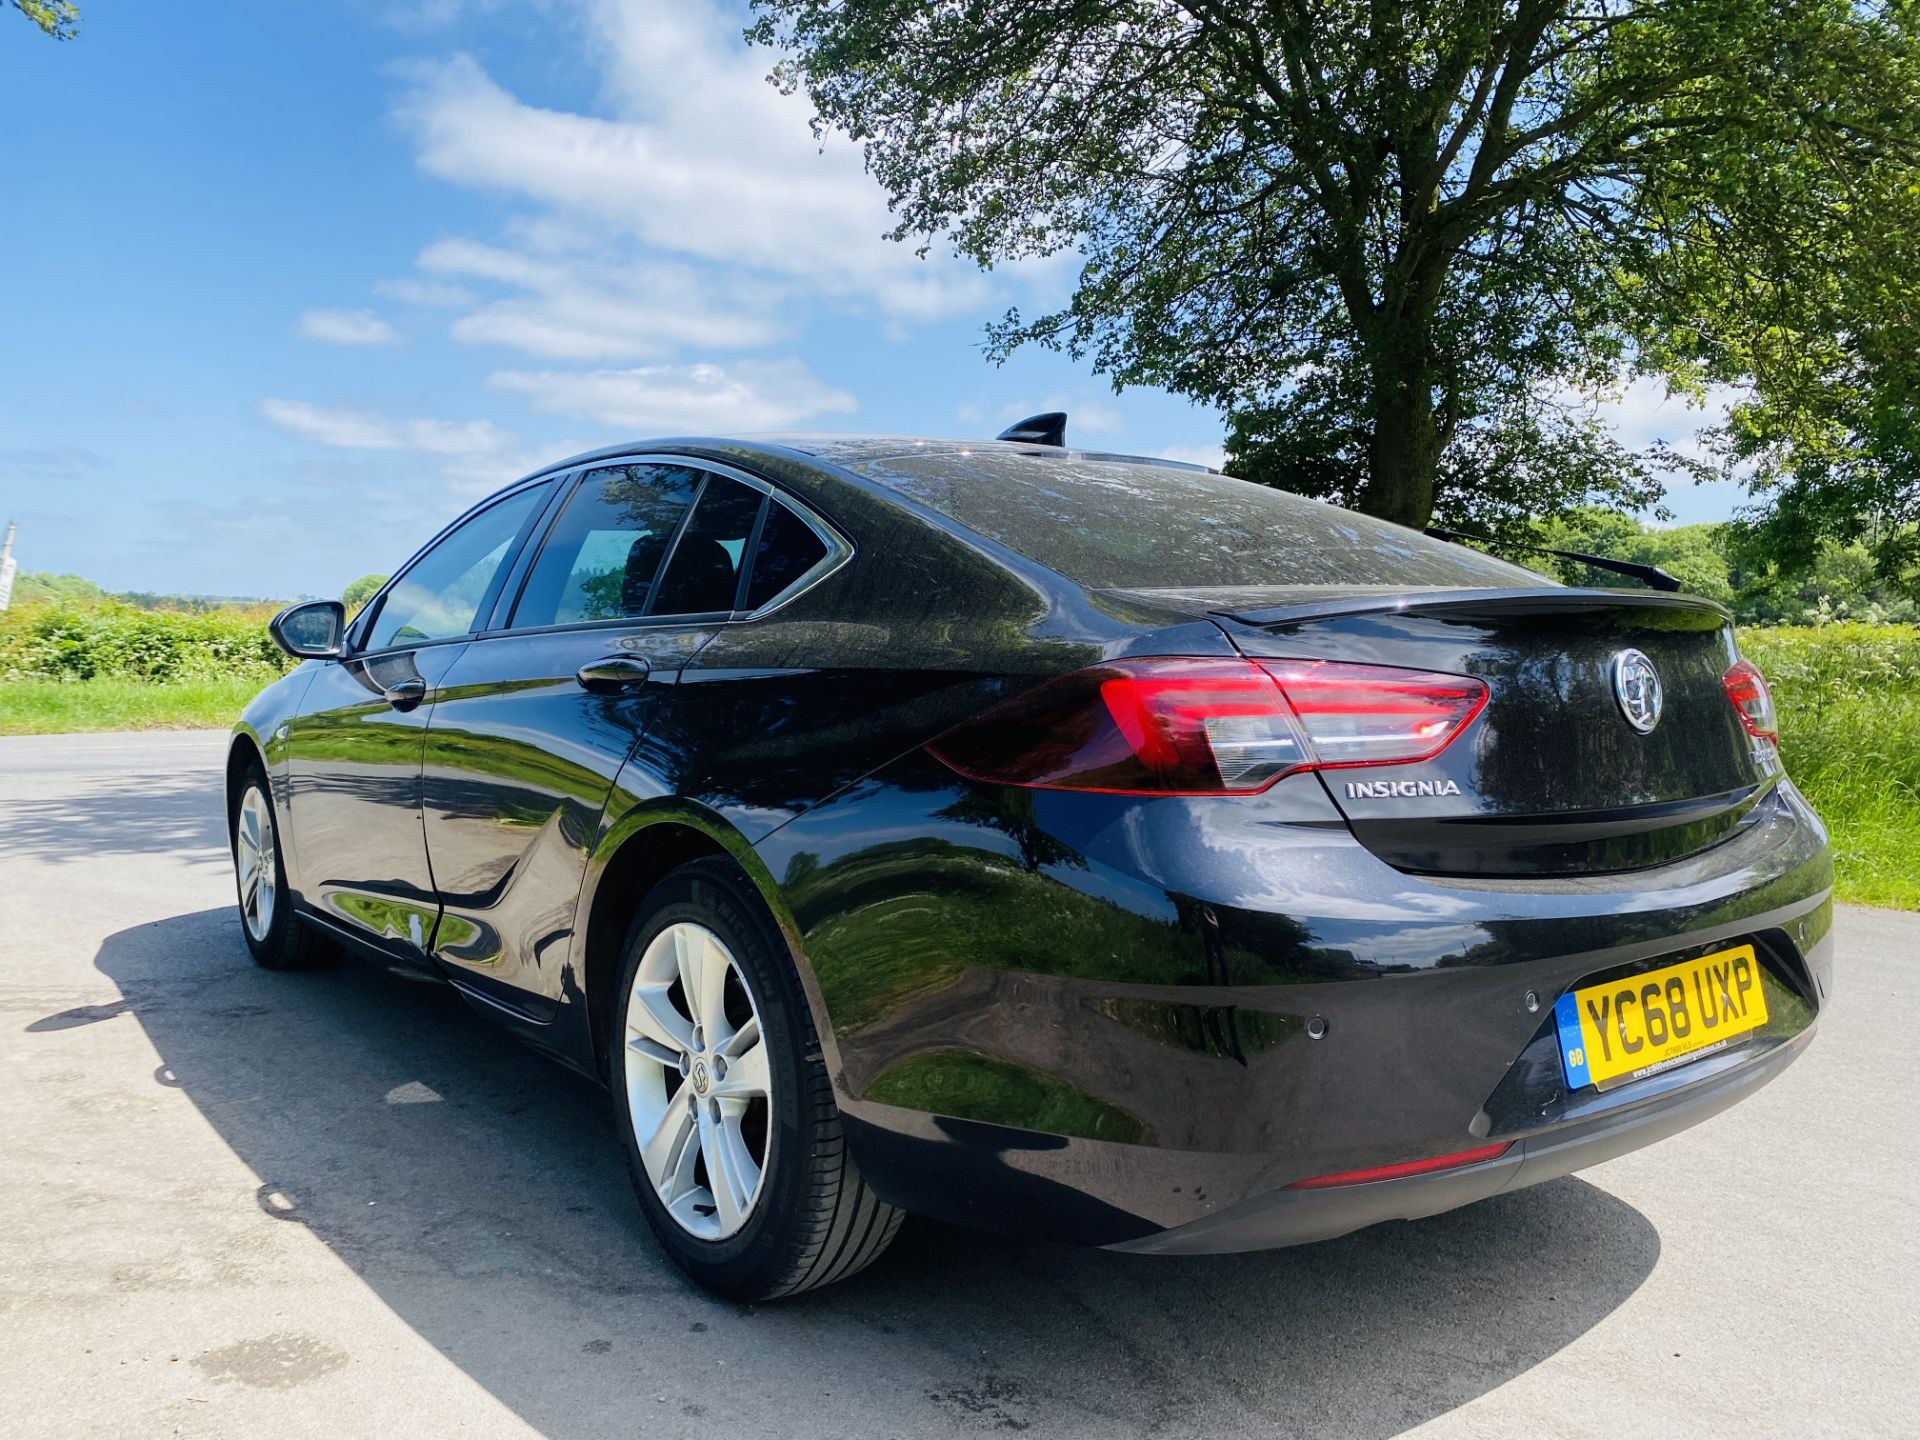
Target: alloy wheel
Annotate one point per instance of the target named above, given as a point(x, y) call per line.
point(253, 862)
point(699, 1088)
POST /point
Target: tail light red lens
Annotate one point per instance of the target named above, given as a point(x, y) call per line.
point(1191, 726)
point(1747, 689)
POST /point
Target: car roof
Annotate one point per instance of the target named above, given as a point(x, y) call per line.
point(854, 448)
point(1100, 520)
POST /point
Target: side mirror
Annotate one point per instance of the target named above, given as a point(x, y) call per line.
point(310, 631)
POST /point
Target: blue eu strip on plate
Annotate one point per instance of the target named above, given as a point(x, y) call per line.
point(1573, 1052)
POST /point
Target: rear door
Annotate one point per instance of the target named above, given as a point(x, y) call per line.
point(537, 716)
point(354, 751)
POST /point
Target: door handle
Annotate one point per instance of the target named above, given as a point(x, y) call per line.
point(406, 694)
point(613, 674)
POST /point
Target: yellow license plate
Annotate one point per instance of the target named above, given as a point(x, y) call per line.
point(1642, 1024)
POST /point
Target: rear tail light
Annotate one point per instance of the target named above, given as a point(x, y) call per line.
point(1747, 689)
point(1208, 727)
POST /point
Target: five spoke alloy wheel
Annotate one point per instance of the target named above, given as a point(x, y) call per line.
point(254, 862)
point(699, 1088)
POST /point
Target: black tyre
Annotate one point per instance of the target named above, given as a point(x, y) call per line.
point(732, 1135)
point(278, 938)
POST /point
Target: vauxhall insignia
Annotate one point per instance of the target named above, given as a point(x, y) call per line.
point(1636, 685)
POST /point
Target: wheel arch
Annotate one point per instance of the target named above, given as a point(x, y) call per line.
point(243, 753)
point(633, 855)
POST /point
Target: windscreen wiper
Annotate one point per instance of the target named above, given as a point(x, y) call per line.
point(1651, 576)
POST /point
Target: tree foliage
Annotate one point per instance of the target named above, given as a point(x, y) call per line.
point(360, 591)
point(1405, 246)
point(39, 587)
point(1838, 581)
point(58, 18)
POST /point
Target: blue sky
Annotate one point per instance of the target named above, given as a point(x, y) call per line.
point(290, 285)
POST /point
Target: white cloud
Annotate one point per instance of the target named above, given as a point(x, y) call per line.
point(482, 474)
point(347, 327)
point(702, 159)
point(1212, 456)
point(574, 309)
point(750, 395)
point(1643, 412)
point(356, 430)
point(429, 294)
point(475, 456)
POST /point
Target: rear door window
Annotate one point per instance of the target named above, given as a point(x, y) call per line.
point(602, 555)
point(703, 576)
point(788, 549)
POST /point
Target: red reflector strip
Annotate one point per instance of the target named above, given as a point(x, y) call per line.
point(1405, 1168)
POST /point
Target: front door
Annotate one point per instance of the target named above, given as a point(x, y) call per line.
point(353, 753)
point(536, 718)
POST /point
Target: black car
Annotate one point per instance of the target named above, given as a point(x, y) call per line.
point(1065, 844)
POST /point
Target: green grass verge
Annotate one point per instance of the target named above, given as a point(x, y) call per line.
point(1849, 700)
point(55, 707)
point(1846, 761)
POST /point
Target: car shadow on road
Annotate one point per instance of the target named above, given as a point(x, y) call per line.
point(479, 1191)
point(180, 815)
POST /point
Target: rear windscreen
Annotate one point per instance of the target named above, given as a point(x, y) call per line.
point(1106, 523)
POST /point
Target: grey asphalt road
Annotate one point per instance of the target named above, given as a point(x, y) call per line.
point(234, 1203)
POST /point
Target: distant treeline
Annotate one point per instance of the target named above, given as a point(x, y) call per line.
point(42, 587)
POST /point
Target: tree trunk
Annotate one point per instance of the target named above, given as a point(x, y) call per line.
point(1403, 453)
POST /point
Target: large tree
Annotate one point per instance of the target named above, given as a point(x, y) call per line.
point(1405, 245)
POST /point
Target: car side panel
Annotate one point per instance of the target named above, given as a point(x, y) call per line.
point(520, 759)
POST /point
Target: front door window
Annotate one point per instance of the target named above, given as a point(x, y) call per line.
point(441, 592)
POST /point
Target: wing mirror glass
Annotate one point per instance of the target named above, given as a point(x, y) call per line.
point(311, 631)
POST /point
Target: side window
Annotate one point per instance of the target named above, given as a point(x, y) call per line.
point(440, 594)
point(788, 549)
point(704, 574)
point(601, 556)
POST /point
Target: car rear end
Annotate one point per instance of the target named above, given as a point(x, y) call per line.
point(1647, 895)
point(1427, 879)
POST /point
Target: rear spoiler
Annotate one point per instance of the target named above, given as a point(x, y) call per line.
point(1650, 575)
point(1533, 600)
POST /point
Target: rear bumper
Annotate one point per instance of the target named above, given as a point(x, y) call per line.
point(1299, 1217)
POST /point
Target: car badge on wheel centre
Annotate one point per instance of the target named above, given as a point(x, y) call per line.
point(1636, 685)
